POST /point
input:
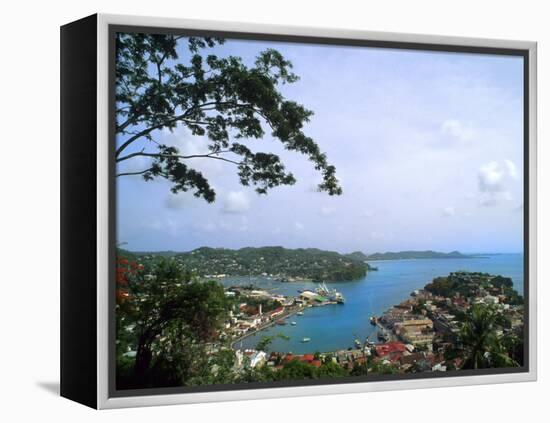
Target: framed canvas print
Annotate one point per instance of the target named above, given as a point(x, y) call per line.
point(254, 211)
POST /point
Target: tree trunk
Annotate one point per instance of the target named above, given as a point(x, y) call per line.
point(143, 357)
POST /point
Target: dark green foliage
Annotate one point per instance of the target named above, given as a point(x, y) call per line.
point(501, 281)
point(167, 321)
point(482, 345)
point(468, 284)
point(296, 370)
point(441, 286)
point(164, 82)
point(380, 368)
point(306, 263)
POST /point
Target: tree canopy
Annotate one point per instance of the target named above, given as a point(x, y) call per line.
point(164, 82)
point(479, 337)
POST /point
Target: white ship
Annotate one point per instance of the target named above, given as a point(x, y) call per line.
point(331, 294)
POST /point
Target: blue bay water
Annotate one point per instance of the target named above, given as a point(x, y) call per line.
point(335, 327)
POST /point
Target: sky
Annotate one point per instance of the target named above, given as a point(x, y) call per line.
point(428, 148)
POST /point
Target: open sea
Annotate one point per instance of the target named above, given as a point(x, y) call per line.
point(335, 327)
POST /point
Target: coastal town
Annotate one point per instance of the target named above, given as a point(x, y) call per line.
point(261, 309)
point(420, 334)
point(253, 329)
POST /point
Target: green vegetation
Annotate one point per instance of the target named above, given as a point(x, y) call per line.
point(282, 263)
point(168, 82)
point(170, 332)
point(165, 324)
point(470, 284)
point(481, 343)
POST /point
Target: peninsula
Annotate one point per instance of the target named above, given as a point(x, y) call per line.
point(286, 265)
point(410, 255)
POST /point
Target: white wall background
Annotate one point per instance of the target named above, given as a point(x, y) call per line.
point(29, 94)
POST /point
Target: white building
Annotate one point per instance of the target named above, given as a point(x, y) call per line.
point(258, 358)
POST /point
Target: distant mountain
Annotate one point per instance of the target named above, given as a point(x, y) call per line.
point(281, 263)
point(403, 255)
point(357, 255)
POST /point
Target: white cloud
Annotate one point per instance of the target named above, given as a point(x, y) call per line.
point(491, 177)
point(179, 201)
point(457, 130)
point(236, 202)
point(327, 211)
point(193, 145)
point(493, 181)
point(298, 226)
point(512, 169)
point(449, 211)
point(167, 226)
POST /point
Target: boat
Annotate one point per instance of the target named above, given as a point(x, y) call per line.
point(331, 294)
point(373, 320)
point(281, 322)
point(293, 323)
point(300, 313)
point(306, 339)
point(357, 343)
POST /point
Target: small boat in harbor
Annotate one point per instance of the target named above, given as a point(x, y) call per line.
point(357, 343)
point(373, 320)
point(300, 313)
point(293, 323)
point(306, 339)
point(281, 322)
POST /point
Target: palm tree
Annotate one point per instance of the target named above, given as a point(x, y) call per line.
point(480, 341)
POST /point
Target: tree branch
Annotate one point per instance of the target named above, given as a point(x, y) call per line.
point(181, 117)
point(168, 156)
point(134, 173)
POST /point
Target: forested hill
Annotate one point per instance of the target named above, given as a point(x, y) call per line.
point(401, 255)
point(281, 263)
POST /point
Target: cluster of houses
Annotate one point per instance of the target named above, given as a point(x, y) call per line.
point(395, 353)
point(419, 330)
point(425, 325)
point(249, 318)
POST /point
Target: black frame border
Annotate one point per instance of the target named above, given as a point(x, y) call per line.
point(78, 211)
point(254, 36)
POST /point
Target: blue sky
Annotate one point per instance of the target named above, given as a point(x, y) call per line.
point(428, 148)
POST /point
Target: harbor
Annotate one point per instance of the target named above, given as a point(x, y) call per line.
point(415, 334)
point(334, 328)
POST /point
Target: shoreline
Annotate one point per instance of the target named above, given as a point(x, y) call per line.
point(378, 325)
point(371, 333)
point(265, 326)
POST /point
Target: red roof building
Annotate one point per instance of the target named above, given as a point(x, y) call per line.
point(388, 348)
point(307, 357)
